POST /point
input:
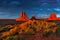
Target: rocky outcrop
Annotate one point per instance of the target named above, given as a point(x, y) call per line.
point(53, 17)
point(23, 17)
point(33, 17)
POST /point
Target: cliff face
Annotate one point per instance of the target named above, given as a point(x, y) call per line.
point(23, 17)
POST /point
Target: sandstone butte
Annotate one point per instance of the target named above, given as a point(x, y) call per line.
point(24, 17)
point(53, 17)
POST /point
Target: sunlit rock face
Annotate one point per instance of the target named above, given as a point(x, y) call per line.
point(23, 17)
point(53, 17)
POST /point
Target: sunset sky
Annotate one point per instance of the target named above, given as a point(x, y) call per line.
point(41, 8)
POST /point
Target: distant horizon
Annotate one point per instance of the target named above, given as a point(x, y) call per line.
point(46, 16)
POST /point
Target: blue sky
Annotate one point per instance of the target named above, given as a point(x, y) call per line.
point(41, 8)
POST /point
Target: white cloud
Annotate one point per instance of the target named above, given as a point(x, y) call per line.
point(57, 9)
point(42, 15)
point(58, 15)
point(5, 15)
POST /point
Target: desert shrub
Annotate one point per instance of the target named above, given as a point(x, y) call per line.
point(46, 34)
point(33, 28)
point(29, 32)
point(15, 37)
point(58, 31)
point(6, 38)
point(12, 37)
point(21, 37)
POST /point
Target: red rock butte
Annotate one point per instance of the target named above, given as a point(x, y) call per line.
point(53, 17)
point(23, 17)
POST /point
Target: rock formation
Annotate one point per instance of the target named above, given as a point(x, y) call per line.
point(53, 17)
point(23, 17)
point(33, 17)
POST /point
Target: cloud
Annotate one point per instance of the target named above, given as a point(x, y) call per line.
point(42, 15)
point(11, 3)
point(7, 15)
point(58, 15)
point(27, 3)
point(57, 9)
point(15, 2)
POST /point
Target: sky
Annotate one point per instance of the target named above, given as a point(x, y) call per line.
point(41, 8)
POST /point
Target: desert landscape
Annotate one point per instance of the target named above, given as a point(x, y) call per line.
point(24, 28)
